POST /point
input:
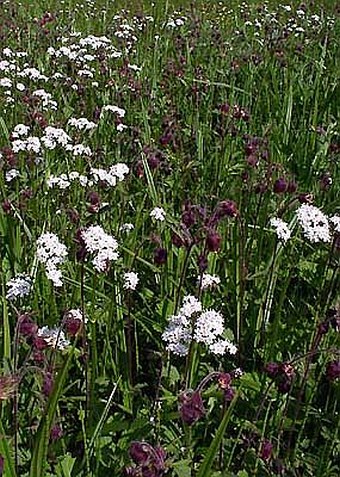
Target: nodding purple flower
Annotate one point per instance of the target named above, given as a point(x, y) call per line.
point(177, 240)
point(56, 433)
point(280, 186)
point(149, 460)
point(72, 325)
point(2, 464)
point(48, 384)
point(73, 215)
point(166, 138)
point(227, 208)
point(213, 241)
point(271, 369)
point(94, 199)
point(81, 249)
point(7, 206)
point(191, 406)
point(266, 450)
point(225, 108)
point(292, 187)
point(306, 198)
point(27, 327)
point(325, 181)
point(160, 256)
point(333, 370)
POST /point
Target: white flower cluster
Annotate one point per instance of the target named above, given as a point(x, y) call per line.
point(46, 99)
point(282, 229)
point(158, 214)
point(314, 223)
point(109, 177)
point(51, 253)
point(54, 137)
point(82, 124)
point(207, 327)
point(208, 281)
point(30, 144)
point(54, 337)
point(113, 109)
point(20, 130)
point(18, 287)
point(103, 245)
point(11, 174)
point(130, 281)
point(335, 221)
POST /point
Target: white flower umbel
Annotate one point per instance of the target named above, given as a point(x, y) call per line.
point(18, 287)
point(335, 221)
point(102, 245)
point(190, 306)
point(158, 214)
point(208, 327)
point(208, 281)
point(54, 337)
point(281, 228)
point(314, 223)
point(130, 280)
point(51, 253)
point(191, 323)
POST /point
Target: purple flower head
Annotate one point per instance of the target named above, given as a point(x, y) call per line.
point(266, 450)
point(2, 463)
point(160, 256)
point(27, 327)
point(271, 369)
point(213, 241)
point(56, 432)
point(149, 460)
point(48, 384)
point(191, 406)
point(333, 370)
point(280, 186)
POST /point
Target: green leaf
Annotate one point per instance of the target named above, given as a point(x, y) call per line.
point(205, 467)
point(6, 453)
point(39, 456)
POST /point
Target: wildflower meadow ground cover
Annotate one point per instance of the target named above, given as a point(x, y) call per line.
point(169, 238)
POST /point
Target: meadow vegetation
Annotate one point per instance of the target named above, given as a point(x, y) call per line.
point(169, 239)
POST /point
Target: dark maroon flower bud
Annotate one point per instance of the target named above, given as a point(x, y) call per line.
point(213, 241)
point(229, 394)
point(56, 433)
point(280, 186)
point(81, 249)
point(284, 385)
point(27, 327)
point(94, 199)
point(140, 452)
point(160, 256)
point(189, 217)
point(253, 160)
point(2, 464)
point(287, 370)
point(72, 325)
point(38, 356)
point(177, 240)
point(227, 208)
point(271, 369)
point(306, 198)
point(291, 187)
point(7, 206)
point(323, 327)
point(153, 161)
point(202, 263)
point(224, 380)
point(333, 370)
point(47, 384)
point(191, 406)
point(325, 181)
point(39, 343)
point(166, 139)
point(96, 113)
point(266, 450)
point(225, 108)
